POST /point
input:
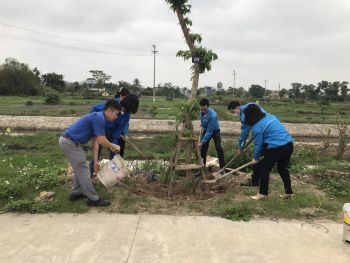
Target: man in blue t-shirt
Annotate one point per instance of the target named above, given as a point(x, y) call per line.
point(117, 131)
point(211, 129)
point(90, 126)
point(237, 109)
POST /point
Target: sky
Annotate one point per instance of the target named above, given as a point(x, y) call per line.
point(280, 41)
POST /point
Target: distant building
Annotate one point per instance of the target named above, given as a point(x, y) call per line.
point(207, 91)
point(186, 92)
point(273, 94)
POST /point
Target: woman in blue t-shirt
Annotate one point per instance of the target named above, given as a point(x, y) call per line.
point(272, 142)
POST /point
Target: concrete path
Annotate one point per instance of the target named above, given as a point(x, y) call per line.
point(99, 237)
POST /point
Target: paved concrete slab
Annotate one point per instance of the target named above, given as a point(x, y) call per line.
point(99, 237)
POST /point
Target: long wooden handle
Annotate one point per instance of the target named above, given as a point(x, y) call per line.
point(133, 146)
point(230, 172)
point(234, 157)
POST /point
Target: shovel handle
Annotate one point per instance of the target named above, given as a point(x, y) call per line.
point(133, 146)
point(238, 154)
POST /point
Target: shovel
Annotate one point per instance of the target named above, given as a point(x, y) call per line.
point(229, 173)
point(236, 155)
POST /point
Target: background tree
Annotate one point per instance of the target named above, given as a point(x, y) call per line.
point(17, 79)
point(99, 77)
point(283, 93)
point(240, 92)
point(309, 92)
point(295, 91)
point(53, 80)
point(344, 90)
point(256, 91)
point(182, 10)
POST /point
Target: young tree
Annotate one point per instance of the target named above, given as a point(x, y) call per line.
point(205, 56)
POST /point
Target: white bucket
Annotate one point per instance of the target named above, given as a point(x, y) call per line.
point(346, 229)
point(113, 172)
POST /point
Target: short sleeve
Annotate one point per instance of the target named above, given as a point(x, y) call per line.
point(99, 125)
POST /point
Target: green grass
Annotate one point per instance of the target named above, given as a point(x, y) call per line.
point(31, 164)
point(287, 111)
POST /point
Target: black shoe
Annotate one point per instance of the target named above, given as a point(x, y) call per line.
point(75, 197)
point(98, 202)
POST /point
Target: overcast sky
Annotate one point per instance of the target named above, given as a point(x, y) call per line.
point(281, 41)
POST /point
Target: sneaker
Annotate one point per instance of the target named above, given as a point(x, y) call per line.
point(287, 196)
point(258, 197)
point(75, 197)
point(98, 202)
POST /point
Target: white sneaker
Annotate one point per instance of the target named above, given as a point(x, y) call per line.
point(258, 197)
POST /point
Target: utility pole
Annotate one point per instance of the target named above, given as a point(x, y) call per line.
point(154, 51)
point(265, 87)
point(279, 89)
point(234, 81)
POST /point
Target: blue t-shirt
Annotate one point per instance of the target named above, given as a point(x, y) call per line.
point(270, 131)
point(90, 125)
point(210, 123)
point(108, 124)
point(115, 128)
point(245, 129)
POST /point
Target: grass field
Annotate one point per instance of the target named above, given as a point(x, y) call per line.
point(31, 164)
point(294, 112)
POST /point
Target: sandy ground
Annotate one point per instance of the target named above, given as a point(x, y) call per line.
point(100, 237)
point(154, 126)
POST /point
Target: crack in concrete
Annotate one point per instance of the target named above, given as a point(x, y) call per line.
point(133, 240)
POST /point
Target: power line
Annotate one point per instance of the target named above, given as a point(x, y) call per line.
point(52, 44)
point(72, 39)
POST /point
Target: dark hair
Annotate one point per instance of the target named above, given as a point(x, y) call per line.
point(130, 103)
point(204, 102)
point(112, 104)
point(253, 114)
point(233, 104)
point(122, 92)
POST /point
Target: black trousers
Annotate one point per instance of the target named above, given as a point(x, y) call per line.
point(281, 156)
point(217, 141)
point(122, 147)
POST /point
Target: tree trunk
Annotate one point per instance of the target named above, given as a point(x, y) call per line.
point(190, 43)
point(195, 82)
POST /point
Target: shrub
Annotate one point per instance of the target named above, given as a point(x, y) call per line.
point(26, 205)
point(29, 103)
point(9, 189)
point(52, 97)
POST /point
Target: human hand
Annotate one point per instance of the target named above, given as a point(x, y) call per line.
point(115, 148)
point(199, 145)
point(239, 152)
point(254, 162)
point(96, 167)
